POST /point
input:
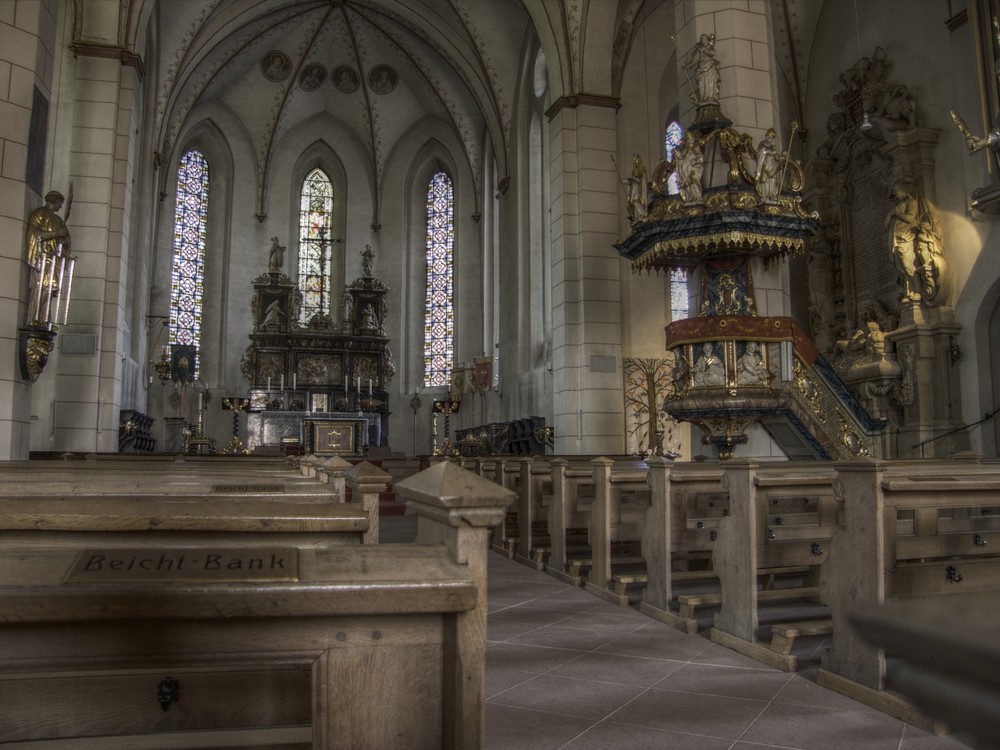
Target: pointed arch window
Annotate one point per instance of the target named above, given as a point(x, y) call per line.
point(679, 291)
point(315, 223)
point(679, 305)
point(439, 314)
point(187, 271)
point(671, 140)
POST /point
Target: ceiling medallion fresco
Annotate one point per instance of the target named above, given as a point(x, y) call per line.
point(275, 66)
point(312, 77)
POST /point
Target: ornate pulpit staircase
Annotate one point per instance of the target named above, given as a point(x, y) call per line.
point(739, 211)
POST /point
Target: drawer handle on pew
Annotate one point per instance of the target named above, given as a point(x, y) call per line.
point(770, 535)
point(978, 540)
point(816, 550)
point(713, 535)
point(953, 574)
point(167, 691)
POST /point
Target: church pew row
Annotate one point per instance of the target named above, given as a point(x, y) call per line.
point(186, 475)
point(911, 529)
point(110, 520)
point(772, 530)
point(555, 503)
point(556, 500)
point(95, 654)
point(557, 496)
point(644, 523)
point(274, 481)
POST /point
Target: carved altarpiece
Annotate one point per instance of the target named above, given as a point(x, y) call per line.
point(339, 368)
point(879, 291)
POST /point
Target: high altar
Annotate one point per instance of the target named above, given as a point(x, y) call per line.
point(319, 384)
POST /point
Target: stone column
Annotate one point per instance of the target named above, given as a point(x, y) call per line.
point(457, 508)
point(96, 137)
point(586, 273)
point(28, 31)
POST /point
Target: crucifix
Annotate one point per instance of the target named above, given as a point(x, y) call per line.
point(324, 293)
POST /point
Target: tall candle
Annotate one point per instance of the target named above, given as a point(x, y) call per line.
point(295, 380)
point(359, 384)
point(345, 384)
point(282, 381)
point(269, 383)
point(369, 387)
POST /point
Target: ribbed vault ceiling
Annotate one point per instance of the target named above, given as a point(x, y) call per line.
point(377, 66)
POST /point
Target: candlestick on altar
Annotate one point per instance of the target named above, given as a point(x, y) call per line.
point(282, 381)
point(369, 387)
point(236, 404)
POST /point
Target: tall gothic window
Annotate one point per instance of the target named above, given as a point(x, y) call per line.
point(678, 276)
point(439, 314)
point(187, 271)
point(679, 294)
point(671, 140)
point(315, 222)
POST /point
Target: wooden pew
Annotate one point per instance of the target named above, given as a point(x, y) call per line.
point(534, 485)
point(616, 517)
point(568, 510)
point(908, 531)
point(686, 505)
point(689, 509)
point(97, 652)
point(123, 521)
point(780, 523)
point(271, 478)
point(506, 473)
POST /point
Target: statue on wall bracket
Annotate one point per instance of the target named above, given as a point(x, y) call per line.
point(916, 245)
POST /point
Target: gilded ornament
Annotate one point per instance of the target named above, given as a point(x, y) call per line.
point(37, 356)
point(852, 441)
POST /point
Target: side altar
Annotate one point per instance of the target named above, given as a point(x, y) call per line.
point(318, 383)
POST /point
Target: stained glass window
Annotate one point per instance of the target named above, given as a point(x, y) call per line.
point(315, 220)
point(678, 294)
point(672, 140)
point(439, 314)
point(187, 271)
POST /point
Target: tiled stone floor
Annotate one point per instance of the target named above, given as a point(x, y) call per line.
point(567, 670)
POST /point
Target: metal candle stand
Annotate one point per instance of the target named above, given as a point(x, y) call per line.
point(235, 404)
